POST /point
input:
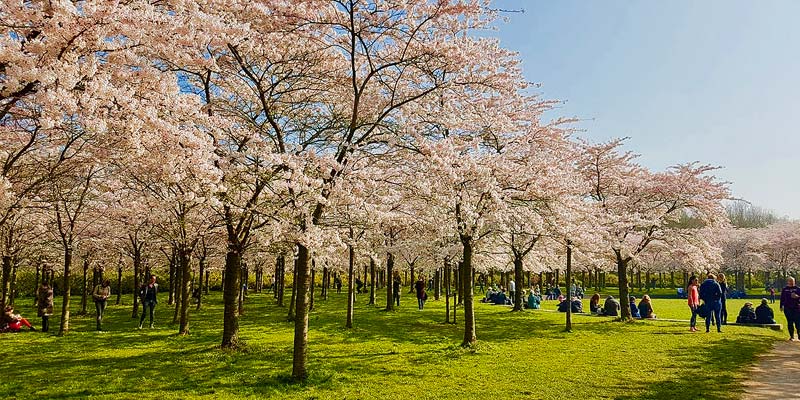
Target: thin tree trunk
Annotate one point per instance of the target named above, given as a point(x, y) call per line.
point(230, 286)
point(201, 272)
point(469, 313)
point(518, 282)
point(119, 284)
point(300, 353)
point(64, 326)
point(311, 287)
point(371, 281)
point(173, 277)
point(389, 285)
point(84, 290)
point(280, 267)
point(6, 280)
point(446, 292)
point(622, 272)
point(184, 262)
point(136, 266)
point(569, 279)
point(290, 316)
point(350, 293)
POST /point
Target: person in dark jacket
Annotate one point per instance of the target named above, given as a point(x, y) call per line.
point(396, 284)
point(634, 309)
point(711, 294)
point(723, 285)
point(421, 295)
point(646, 308)
point(149, 295)
point(611, 307)
point(746, 315)
point(764, 314)
point(44, 305)
point(790, 305)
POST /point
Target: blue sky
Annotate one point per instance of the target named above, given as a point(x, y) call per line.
point(716, 81)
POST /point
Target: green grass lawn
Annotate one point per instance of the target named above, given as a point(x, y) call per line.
point(405, 354)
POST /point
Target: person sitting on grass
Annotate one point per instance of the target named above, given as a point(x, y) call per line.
point(634, 309)
point(611, 307)
point(594, 303)
point(646, 308)
point(534, 302)
point(746, 315)
point(11, 322)
point(764, 314)
point(575, 304)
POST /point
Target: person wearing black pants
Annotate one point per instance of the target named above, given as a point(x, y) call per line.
point(723, 285)
point(396, 283)
point(711, 294)
point(44, 304)
point(101, 294)
point(148, 293)
point(790, 305)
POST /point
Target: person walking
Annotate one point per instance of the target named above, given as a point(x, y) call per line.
point(101, 294)
point(396, 283)
point(711, 294)
point(421, 295)
point(148, 293)
point(44, 304)
point(512, 290)
point(723, 285)
point(790, 305)
point(694, 302)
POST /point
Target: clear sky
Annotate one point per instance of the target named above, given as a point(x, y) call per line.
point(716, 81)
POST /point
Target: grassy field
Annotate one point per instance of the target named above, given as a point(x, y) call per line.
point(405, 354)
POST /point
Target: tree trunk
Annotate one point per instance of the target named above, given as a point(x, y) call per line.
point(230, 287)
point(201, 272)
point(622, 271)
point(184, 262)
point(119, 284)
point(280, 268)
point(389, 280)
point(6, 281)
point(325, 277)
point(205, 287)
point(176, 288)
point(173, 277)
point(413, 280)
point(350, 292)
point(290, 315)
point(469, 313)
point(371, 281)
point(569, 280)
point(137, 261)
point(64, 326)
point(446, 292)
point(300, 353)
point(313, 283)
point(13, 286)
point(437, 284)
point(84, 290)
point(517, 282)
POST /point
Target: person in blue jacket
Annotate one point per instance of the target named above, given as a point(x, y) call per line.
point(634, 309)
point(711, 294)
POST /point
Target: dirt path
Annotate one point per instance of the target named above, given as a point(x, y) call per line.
point(776, 375)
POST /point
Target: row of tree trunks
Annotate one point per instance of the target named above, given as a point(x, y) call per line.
point(372, 281)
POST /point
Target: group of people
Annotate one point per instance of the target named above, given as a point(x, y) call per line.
point(611, 307)
point(712, 292)
point(760, 315)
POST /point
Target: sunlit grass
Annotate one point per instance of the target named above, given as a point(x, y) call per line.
point(395, 355)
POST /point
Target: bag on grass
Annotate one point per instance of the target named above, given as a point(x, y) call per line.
point(703, 310)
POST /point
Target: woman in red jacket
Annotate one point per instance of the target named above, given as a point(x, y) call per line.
point(694, 302)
